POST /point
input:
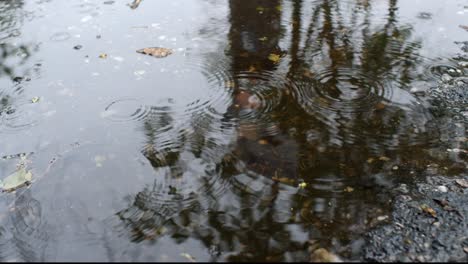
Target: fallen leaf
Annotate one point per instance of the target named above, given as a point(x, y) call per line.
point(263, 39)
point(383, 158)
point(99, 160)
point(348, 189)
point(252, 69)
point(302, 185)
point(279, 8)
point(464, 27)
point(274, 57)
point(103, 56)
point(260, 9)
point(156, 52)
point(428, 210)
point(135, 4)
point(322, 255)
point(35, 99)
point(262, 142)
point(283, 180)
point(187, 256)
point(463, 183)
point(16, 180)
point(370, 160)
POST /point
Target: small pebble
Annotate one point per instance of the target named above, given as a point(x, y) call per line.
point(442, 188)
point(382, 218)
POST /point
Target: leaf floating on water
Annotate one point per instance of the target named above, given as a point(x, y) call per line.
point(35, 99)
point(135, 4)
point(156, 52)
point(322, 255)
point(99, 160)
point(263, 39)
point(16, 180)
point(283, 180)
point(252, 69)
point(103, 56)
point(262, 142)
point(383, 158)
point(348, 189)
point(302, 185)
point(187, 256)
point(428, 210)
point(274, 57)
point(463, 183)
point(464, 27)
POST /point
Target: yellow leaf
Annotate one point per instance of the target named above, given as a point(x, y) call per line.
point(274, 57)
point(263, 39)
point(103, 56)
point(302, 185)
point(35, 99)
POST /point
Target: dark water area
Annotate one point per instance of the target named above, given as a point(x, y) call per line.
point(273, 126)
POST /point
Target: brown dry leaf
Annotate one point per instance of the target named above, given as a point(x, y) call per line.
point(135, 4)
point(463, 183)
point(283, 180)
point(428, 210)
point(262, 142)
point(370, 160)
point(252, 69)
point(380, 106)
point(464, 27)
point(156, 52)
point(383, 158)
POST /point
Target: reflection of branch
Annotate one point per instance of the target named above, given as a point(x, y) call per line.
point(135, 4)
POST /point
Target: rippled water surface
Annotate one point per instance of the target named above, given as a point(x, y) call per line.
point(273, 128)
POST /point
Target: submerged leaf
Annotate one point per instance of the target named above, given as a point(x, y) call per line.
point(156, 52)
point(16, 180)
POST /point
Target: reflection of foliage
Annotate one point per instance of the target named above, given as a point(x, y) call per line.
point(9, 18)
point(7, 51)
point(255, 217)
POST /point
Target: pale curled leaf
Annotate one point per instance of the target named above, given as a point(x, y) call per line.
point(16, 180)
point(156, 52)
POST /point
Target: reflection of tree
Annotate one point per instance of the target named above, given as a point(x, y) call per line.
point(8, 29)
point(257, 216)
point(26, 240)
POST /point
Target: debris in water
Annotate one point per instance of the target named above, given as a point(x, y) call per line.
point(464, 27)
point(103, 56)
point(274, 57)
point(135, 4)
point(349, 189)
point(78, 47)
point(35, 99)
point(463, 183)
point(322, 255)
point(428, 210)
point(18, 179)
point(156, 52)
point(187, 256)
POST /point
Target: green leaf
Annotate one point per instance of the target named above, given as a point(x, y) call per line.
point(16, 180)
